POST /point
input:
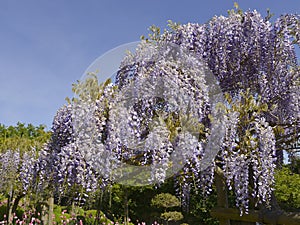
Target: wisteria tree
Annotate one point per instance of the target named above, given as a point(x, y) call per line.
point(159, 114)
point(18, 154)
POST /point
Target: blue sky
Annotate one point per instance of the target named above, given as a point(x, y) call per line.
point(45, 46)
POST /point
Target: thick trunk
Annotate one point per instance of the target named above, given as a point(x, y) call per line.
point(99, 204)
point(279, 158)
point(126, 212)
point(9, 212)
point(16, 202)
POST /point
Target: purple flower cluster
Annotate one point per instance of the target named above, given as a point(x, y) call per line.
point(61, 166)
point(246, 52)
point(17, 171)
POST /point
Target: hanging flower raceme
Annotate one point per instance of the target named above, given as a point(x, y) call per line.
point(48, 165)
point(17, 170)
point(247, 53)
point(249, 151)
point(61, 166)
point(161, 107)
point(27, 169)
point(10, 161)
point(151, 117)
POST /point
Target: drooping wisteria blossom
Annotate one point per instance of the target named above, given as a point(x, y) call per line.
point(151, 122)
point(161, 115)
point(10, 161)
point(164, 100)
point(246, 52)
point(248, 152)
point(61, 168)
point(27, 170)
point(48, 165)
point(17, 171)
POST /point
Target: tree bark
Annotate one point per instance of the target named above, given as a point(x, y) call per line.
point(16, 202)
point(9, 213)
point(98, 206)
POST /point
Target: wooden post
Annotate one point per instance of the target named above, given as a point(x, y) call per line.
point(222, 196)
point(44, 216)
point(265, 217)
point(50, 213)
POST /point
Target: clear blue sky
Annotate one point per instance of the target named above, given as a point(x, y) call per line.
point(45, 46)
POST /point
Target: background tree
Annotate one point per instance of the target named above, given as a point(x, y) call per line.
point(287, 189)
point(167, 202)
point(19, 147)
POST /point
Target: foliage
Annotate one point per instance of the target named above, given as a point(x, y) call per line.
point(295, 163)
point(165, 200)
point(172, 216)
point(287, 189)
point(19, 147)
point(22, 137)
point(62, 216)
point(197, 211)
